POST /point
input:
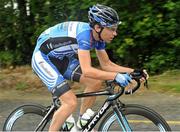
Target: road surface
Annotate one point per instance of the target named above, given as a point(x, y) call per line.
point(166, 104)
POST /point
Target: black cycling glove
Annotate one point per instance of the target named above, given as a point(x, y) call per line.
point(139, 73)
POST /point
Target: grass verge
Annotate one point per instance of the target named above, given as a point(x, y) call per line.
point(168, 81)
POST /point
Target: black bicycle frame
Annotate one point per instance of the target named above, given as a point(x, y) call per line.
point(120, 116)
point(90, 125)
point(45, 120)
point(118, 112)
point(110, 102)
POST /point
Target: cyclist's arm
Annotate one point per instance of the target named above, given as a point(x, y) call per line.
point(108, 65)
point(89, 71)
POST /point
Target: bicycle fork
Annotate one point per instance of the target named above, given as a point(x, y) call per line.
point(121, 117)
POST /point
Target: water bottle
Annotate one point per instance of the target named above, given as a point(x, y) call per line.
point(70, 124)
point(83, 120)
point(90, 113)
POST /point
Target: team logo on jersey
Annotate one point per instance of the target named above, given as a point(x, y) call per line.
point(41, 63)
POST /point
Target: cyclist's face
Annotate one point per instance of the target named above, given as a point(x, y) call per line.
point(109, 33)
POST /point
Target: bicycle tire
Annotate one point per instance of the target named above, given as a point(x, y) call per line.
point(153, 122)
point(21, 115)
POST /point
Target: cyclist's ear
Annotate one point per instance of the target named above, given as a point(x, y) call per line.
point(97, 27)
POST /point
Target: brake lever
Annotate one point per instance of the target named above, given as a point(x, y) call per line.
point(135, 76)
point(146, 84)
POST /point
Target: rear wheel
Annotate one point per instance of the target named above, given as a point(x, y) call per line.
point(26, 118)
point(140, 118)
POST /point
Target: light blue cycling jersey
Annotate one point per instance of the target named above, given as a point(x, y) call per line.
point(65, 38)
point(54, 58)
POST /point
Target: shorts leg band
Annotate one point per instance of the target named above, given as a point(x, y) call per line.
point(60, 89)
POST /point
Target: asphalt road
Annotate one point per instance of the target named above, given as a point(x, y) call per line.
point(166, 104)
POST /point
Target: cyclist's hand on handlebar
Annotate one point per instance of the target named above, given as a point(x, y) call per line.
point(140, 74)
point(122, 79)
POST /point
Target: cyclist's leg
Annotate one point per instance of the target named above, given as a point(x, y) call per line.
point(74, 73)
point(68, 105)
point(92, 85)
point(46, 69)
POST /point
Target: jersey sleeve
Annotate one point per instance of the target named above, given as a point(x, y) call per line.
point(100, 46)
point(83, 40)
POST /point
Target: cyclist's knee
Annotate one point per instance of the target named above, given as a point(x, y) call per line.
point(66, 96)
point(69, 101)
point(92, 83)
point(70, 106)
point(96, 83)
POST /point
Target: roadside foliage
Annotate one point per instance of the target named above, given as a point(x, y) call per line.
point(148, 37)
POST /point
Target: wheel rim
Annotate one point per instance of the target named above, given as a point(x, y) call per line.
point(136, 122)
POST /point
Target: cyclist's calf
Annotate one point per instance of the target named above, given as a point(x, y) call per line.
point(69, 101)
point(68, 105)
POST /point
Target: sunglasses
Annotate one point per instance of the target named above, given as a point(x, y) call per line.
point(113, 27)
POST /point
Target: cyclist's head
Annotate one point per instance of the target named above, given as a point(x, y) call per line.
point(103, 16)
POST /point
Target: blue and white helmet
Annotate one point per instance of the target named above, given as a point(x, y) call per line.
point(103, 15)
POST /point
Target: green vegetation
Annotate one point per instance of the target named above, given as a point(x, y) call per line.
point(22, 78)
point(168, 81)
point(149, 35)
point(1, 77)
point(21, 86)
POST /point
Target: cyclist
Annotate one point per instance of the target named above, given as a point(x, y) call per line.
point(63, 53)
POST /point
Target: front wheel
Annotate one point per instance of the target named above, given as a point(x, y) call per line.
point(25, 118)
point(140, 118)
